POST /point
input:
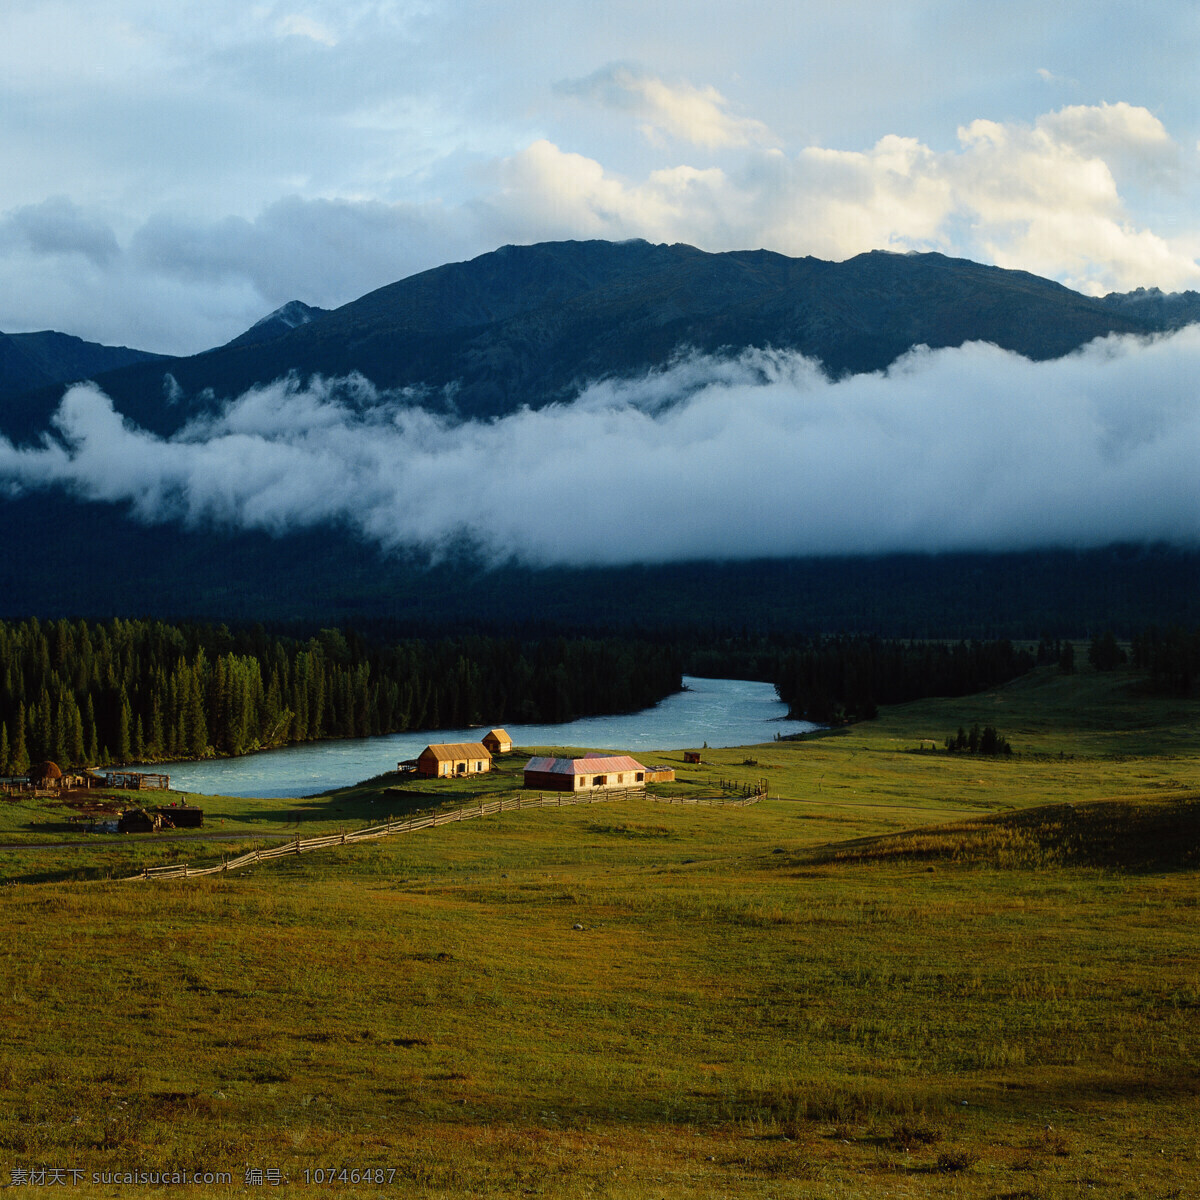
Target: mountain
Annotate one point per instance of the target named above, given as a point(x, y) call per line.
point(63, 358)
point(283, 320)
point(527, 325)
point(67, 558)
point(18, 372)
point(1163, 310)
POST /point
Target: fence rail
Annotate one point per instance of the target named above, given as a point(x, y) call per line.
point(390, 828)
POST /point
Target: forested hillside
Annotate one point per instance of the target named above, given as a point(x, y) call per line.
point(81, 693)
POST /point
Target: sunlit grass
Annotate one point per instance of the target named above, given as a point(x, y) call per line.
point(904, 974)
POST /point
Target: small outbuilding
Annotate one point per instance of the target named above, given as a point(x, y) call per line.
point(660, 774)
point(454, 758)
point(498, 741)
point(591, 773)
point(180, 816)
point(138, 820)
point(691, 756)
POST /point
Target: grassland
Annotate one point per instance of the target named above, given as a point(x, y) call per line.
point(905, 974)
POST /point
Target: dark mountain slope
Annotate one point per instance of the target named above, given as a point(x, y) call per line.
point(89, 560)
point(18, 372)
point(66, 359)
point(1164, 310)
point(528, 324)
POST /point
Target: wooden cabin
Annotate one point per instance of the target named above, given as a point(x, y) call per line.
point(498, 741)
point(449, 759)
point(591, 773)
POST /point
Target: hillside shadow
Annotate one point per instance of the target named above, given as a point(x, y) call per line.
point(1145, 836)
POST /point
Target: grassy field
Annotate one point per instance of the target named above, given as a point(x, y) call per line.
point(905, 974)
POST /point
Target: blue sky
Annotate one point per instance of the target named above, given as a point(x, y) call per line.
point(175, 171)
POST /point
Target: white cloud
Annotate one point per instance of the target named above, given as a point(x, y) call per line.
point(965, 449)
point(299, 25)
point(1040, 197)
point(680, 110)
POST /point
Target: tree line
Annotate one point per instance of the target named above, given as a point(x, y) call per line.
point(1171, 657)
point(81, 693)
point(986, 741)
point(833, 679)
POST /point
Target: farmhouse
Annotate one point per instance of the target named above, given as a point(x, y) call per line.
point(454, 758)
point(498, 741)
point(592, 772)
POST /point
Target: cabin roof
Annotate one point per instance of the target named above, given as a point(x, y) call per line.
point(591, 764)
point(452, 751)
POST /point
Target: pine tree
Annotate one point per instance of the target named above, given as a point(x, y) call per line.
point(41, 744)
point(124, 748)
point(76, 749)
point(19, 761)
point(92, 744)
point(194, 723)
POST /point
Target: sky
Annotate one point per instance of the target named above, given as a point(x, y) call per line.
point(175, 171)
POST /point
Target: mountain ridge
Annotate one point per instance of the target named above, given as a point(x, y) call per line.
point(529, 325)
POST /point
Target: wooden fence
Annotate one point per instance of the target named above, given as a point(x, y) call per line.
point(470, 812)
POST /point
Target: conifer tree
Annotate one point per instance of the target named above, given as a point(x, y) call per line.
point(92, 746)
point(195, 726)
point(76, 750)
point(124, 748)
point(19, 756)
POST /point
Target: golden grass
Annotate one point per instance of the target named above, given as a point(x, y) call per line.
point(790, 1000)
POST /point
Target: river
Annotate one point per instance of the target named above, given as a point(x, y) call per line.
point(721, 712)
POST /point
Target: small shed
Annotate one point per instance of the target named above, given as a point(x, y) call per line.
point(180, 816)
point(590, 773)
point(453, 758)
point(691, 756)
point(660, 774)
point(498, 741)
point(137, 820)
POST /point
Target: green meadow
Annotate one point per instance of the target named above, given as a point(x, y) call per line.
point(904, 974)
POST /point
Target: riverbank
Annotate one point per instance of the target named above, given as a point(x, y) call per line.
point(713, 712)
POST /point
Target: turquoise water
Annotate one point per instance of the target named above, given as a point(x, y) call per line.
point(721, 712)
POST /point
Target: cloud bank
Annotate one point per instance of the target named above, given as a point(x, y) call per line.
point(758, 456)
